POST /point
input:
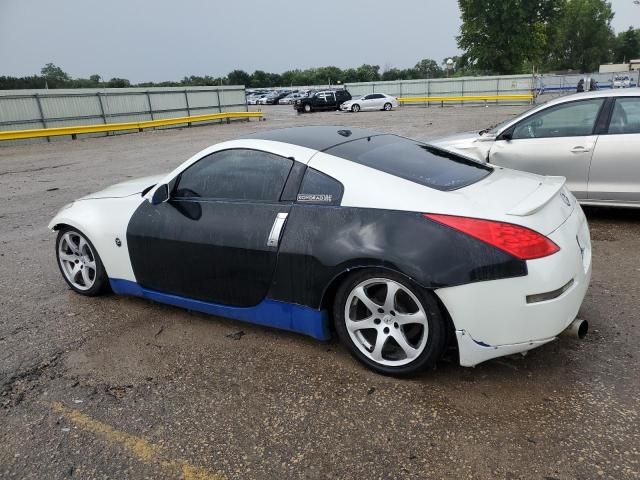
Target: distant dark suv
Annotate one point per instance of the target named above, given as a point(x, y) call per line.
point(322, 100)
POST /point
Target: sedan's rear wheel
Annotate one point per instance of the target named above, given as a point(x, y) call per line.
point(80, 263)
point(355, 108)
point(389, 324)
point(387, 106)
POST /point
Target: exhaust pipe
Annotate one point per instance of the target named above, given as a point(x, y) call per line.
point(576, 329)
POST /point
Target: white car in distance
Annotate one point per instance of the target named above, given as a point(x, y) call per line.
point(372, 101)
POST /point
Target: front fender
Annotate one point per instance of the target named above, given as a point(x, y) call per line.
point(103, 221)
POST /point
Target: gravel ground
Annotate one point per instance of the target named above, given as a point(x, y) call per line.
point(116, 387)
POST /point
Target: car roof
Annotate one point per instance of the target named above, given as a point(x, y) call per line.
point(321, 137)
point(627, 92)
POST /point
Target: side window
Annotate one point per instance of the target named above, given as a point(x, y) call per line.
point(377, 96)
point(319, 189)
point(625, 117)
point(367, 97)
point(565, 120)
point(237, 174)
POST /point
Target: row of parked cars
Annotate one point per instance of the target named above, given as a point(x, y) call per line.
point(331, 99)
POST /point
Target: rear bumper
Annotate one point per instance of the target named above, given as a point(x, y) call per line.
point(495, 318)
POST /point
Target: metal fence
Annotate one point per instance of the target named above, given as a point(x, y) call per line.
point(449, 87)
point(30, 109)
point(549, 84)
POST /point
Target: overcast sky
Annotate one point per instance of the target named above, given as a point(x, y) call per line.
point(155, 40)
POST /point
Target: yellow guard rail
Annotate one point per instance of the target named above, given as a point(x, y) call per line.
point(467, 98)
point(114, 127)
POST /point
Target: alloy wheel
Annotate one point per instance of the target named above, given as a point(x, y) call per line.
point(77, 260)
point(386, 322)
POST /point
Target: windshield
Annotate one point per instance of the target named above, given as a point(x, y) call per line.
point(493, 130)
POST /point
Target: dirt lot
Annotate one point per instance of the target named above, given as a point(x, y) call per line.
point(119, 387)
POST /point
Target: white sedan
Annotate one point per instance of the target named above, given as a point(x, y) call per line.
point(406, 248)
point(592, 139)
point(372, 101)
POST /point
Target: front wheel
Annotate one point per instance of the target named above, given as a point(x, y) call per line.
point(388, 324)
point(355, 108)
point(307, 108)
point(80, 263)
point(387, 107)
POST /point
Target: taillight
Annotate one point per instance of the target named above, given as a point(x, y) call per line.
point(521, 242)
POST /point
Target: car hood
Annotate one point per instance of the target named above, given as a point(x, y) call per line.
point(124, 189)
point(468, 144)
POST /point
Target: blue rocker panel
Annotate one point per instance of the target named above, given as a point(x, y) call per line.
point(270, 313)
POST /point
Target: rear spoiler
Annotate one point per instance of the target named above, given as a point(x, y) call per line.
point(548, 188)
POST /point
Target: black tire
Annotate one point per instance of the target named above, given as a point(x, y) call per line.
point(307, 108)
point(355, 108)
point(387, 107)
point(100, 279)
point(437, 330)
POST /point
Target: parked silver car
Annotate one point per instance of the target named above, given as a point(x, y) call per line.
point(592, 139)
point(372, 101)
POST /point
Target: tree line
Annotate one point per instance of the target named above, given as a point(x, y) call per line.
point(519, 36)
point(496, 37)
point(52, 76)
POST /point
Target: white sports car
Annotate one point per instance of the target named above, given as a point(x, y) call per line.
point(372, 101)
point(406, 247)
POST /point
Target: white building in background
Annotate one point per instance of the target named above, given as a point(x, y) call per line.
point(620, 67)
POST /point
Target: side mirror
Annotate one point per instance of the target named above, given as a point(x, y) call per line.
point(161, 195)
point(508, 135)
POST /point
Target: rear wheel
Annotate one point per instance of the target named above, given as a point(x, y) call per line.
point(355, 108)
point(387, 106)
point(389, 324)
point(80, 263)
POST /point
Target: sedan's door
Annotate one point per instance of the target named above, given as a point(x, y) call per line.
point(615, 167)
point(377, 102)
point(365, 102)
point(558, 140)
point(216, 238)
point(371, 101)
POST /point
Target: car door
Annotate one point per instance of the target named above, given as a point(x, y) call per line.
point(330, 98)
point(558, 140)
point(216, 238)
point(376, 102)
point(615, 167)
point(320, 100)
point(366, 102)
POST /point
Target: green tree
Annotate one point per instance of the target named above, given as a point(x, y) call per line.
point(627, 45)
point(239, 77)
point(259, 79)
point(501, 37)
point(427, 68)
point(118, 83)
point(55, 76)
point(368, 73)
point(583, 38)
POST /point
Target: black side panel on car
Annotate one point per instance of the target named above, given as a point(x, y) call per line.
point(214, 251)
point(320, 242)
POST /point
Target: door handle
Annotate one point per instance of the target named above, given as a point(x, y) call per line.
point(580, 149)
point(276, 229)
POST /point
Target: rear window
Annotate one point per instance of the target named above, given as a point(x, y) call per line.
point(414, 161)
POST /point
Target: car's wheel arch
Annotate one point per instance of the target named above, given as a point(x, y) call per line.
point(331, 288)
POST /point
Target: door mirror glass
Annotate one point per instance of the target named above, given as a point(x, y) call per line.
point(507, 135)
point(161, 195)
